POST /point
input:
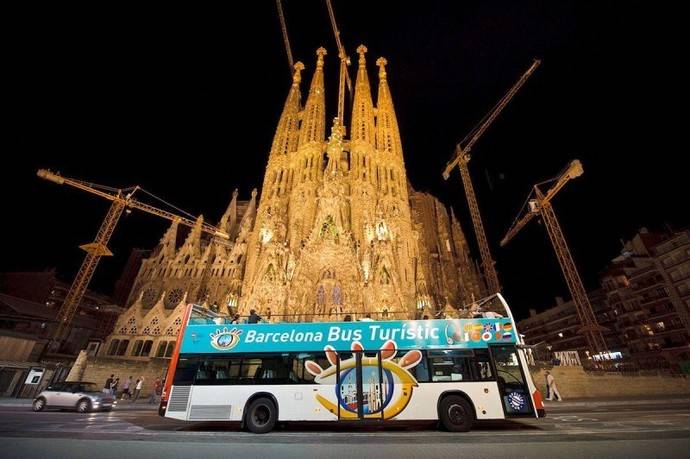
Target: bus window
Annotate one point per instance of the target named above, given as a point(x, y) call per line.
point(249, 368)
point(274, 369)
point(481, 365)
point(299, 371)
point(217, 371)
point(421, 370)
point(185, 372)
point(450, 366)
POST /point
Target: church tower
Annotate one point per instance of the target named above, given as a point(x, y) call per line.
point(333, 234)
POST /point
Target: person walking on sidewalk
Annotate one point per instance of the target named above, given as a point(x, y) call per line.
point(113, 387)
point(137, 388)
point(126, 389)
point(551, 386)
point(157, 390)
point(106, 387)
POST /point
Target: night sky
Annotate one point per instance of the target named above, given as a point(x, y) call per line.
point(185, 103)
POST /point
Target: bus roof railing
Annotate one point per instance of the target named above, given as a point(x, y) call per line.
point(491, 306)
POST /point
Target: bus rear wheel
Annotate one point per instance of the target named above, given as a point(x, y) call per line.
point(261, 415)
point(456, 414)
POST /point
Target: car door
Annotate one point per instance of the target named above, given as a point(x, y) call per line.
point(52, 393)
point(73, 395)
point(67, 396)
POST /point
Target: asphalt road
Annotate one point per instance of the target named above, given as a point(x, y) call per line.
point(625, 430)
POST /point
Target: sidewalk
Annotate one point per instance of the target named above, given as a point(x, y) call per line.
point(141, 404)
point(613, 401)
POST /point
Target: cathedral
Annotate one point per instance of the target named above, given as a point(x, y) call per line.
point(337, 230)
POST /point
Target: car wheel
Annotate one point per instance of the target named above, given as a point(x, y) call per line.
point(39, 404)
point(456, 414)
point(84, 406)
point(261, 415)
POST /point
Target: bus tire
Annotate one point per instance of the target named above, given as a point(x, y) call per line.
point(261, 415)
point(455, 414)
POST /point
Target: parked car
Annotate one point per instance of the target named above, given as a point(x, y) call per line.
point(79, 395)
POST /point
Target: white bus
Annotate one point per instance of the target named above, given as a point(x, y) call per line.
point(454, 371)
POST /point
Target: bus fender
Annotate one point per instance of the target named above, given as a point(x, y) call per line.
point(254, 397)
point(455, 392)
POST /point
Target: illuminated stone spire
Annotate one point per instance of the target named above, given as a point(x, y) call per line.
point(167, 242)
point(192, 245)
point(229, 219)
point(314, 119)
point(387, 133)
point(287, 132)
point(362, 108)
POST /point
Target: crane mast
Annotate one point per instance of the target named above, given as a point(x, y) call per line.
point(120, 200)
point(541, 206)
point(462, 158)
point(94, 251)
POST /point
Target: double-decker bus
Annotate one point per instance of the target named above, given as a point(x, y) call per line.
point(455, 371)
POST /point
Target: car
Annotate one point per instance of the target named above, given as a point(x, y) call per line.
point(81, 396)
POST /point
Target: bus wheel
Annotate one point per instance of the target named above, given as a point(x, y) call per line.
point(456, 414)
point(261, 415)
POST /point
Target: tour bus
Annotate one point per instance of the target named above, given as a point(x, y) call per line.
point(454, 371)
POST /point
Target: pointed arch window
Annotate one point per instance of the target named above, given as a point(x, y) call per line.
point(321, 296)
point(385, 277)
point(337, 295)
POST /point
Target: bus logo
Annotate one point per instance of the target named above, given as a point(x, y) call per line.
point(389, 397)
point(516, 401)
point(225, 339)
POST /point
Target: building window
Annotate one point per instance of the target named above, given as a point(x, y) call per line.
point(112, 350)
point(170, 349)
point(136, 350)
point(122, 348)
point(161, 349)
point(146, 349)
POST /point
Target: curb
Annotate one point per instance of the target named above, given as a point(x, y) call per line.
point(594, 402)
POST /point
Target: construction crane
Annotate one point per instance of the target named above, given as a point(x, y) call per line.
point(539, 204)
point(286, 40)
point(462, 158)
point(122, 199)
point(344, 62)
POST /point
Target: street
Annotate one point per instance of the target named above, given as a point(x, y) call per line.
point(624, 429)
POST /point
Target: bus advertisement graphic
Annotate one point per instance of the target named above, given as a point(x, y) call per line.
point(289, 337)
point(381, 399)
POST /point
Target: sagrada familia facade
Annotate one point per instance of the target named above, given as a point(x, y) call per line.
point(337, 230)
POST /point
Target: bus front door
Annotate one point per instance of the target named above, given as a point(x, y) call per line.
point(360, 386)
point(512, 383)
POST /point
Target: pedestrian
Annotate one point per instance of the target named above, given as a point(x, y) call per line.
point(106, 387)
point(137, 388)
point(425, 317)
point(551, 384)
point(348, 318)
point(113, 387)
point(126, 389)
point(546, 378)
point(254, 318)
point(366, 318)
point(235, 319)
point(157, 388)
